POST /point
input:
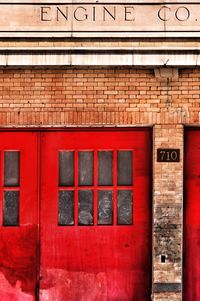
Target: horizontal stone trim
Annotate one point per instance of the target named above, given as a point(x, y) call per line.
point(167, 287)
point(100, 19)
point(95, 58)
point(105, 49)
point(148, 35)
point(102, 1)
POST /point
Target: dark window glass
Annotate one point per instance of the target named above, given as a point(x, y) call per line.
point(11, 208)
point(105, 210)
point(85, 207)
point(124, 168)
point(105, 168)
point(66, 208)
point(124, 207)
point(86, 168)
point(11, 168)
point(66, 168)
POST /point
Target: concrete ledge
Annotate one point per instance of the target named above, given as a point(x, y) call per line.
point(99, 58)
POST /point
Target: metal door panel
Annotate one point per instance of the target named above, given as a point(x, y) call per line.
point(192, 217)
point(19, 240)
point(96, 262)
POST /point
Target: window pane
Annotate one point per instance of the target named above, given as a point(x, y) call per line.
point(85, 207)
point(11, 208)
point(105, 168)
point(124, 168)
point(105, 210)
point(86, 170)
point(66, 168)
point(11, 168)
point(66, 208)
point(124, 207)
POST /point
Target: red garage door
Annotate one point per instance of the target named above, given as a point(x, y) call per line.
point(192, 217)
point(95, 218)
point(18, 216)
point(91, 191)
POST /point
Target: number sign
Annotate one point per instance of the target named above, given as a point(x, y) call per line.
point(168, 155)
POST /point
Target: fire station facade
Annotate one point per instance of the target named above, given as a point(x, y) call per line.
point(100, 151)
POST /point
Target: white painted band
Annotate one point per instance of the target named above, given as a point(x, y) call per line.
point(65, 58)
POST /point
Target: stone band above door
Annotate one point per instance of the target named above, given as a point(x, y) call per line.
point(99, 19)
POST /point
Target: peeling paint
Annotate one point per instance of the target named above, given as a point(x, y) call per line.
point(12, 293)
point(61, 285)
point(18, 261)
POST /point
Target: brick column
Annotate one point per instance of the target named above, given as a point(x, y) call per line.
point(168, 212)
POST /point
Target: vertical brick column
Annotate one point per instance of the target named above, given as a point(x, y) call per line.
point(168, 212)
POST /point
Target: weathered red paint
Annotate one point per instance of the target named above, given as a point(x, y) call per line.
point(77, 262)
point(95, 262)
point(18, 245)
point(192, 217)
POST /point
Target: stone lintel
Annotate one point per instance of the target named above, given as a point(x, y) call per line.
point(168, 61)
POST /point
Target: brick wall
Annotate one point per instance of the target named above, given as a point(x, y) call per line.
point(125, 97)
point(97, 96)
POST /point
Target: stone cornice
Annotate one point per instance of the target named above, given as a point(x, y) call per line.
point(74, 57)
